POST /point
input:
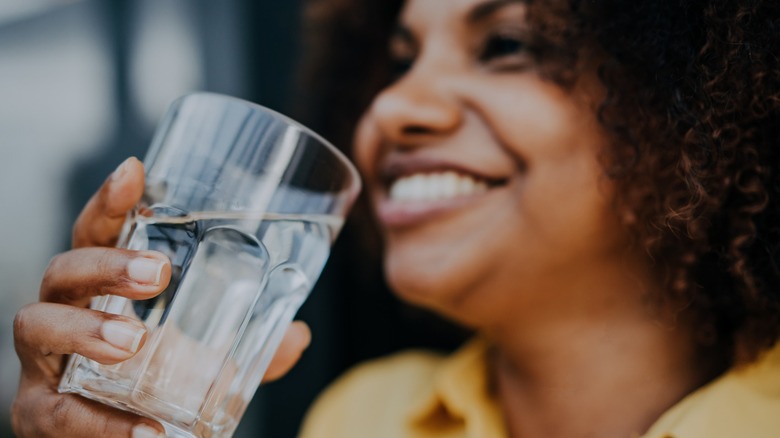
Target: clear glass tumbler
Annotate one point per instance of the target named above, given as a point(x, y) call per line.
point(246, 204)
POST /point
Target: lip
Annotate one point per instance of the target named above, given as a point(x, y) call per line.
point(394, 214)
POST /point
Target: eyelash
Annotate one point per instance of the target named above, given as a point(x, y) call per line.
point(499, 47)
point(500, 51)
point(399, 66)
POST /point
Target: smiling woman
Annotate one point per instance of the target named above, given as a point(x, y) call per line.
point(593, 188)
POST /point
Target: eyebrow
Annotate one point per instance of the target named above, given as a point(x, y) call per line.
point(478, 13)
point(402, 31)
point(488, 8)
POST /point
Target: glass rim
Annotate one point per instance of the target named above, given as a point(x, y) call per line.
point(340, 156)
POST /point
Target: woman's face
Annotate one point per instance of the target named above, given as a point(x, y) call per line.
point(485, 178)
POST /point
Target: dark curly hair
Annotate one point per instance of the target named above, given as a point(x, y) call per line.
point(692, 106)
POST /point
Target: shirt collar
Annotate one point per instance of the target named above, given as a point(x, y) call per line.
point(461, 395)
point(744, 402)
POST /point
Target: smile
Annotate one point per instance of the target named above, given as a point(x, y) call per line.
point(417, 197)
point(435, 186)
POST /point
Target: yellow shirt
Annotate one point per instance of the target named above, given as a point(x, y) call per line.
point(421, 395)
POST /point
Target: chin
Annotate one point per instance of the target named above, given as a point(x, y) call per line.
point(416, 286)
point(440, 287)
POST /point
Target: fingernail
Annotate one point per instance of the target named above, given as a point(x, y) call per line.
point(122, 335)
point(145, 271)
point(145, 431)
point(121, 170)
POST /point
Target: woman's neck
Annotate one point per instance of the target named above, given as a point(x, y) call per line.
point(603, 371)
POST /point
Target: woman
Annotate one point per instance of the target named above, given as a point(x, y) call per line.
point(615, 244)
point(590, 186)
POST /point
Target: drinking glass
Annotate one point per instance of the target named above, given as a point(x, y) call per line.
point(246, 203)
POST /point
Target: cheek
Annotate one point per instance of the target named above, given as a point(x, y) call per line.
point(572, 223)
point(540, 123)
point(563, 198)
point(566, 203)
point(567, 194)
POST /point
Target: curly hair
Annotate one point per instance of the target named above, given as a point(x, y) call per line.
point(692, 110)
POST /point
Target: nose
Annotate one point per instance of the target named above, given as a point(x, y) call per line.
point(418, 107)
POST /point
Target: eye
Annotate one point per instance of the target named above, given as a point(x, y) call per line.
point(503, 51)
point(402, 51)
point(400, 66)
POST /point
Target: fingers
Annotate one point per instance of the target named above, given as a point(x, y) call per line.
point(100, 223)
point(40, 411)
point(296, 340)
point(44, 330)
point(75, 276)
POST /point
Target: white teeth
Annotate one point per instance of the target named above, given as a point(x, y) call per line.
point(435, 186)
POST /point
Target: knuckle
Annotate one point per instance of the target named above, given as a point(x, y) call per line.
point(61, 414)
point(76, 231)
point(103, 265)
point(80, 230)
point(71, 413)
point(20, 322)
point(55, 265)
point(107, 268)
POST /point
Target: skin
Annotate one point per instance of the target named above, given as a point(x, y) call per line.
point(61, 324)
point(540, 263)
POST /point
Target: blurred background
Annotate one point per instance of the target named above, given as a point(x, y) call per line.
point(82, 86)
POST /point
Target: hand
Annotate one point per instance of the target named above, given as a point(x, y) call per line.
point(61, 324)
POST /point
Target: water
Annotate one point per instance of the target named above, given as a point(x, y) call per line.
point(273, 238)
point(237, 281)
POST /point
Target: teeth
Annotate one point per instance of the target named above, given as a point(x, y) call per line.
point(435, 186)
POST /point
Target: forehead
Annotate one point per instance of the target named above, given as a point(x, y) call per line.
point(423, 14)
point(444, 6)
